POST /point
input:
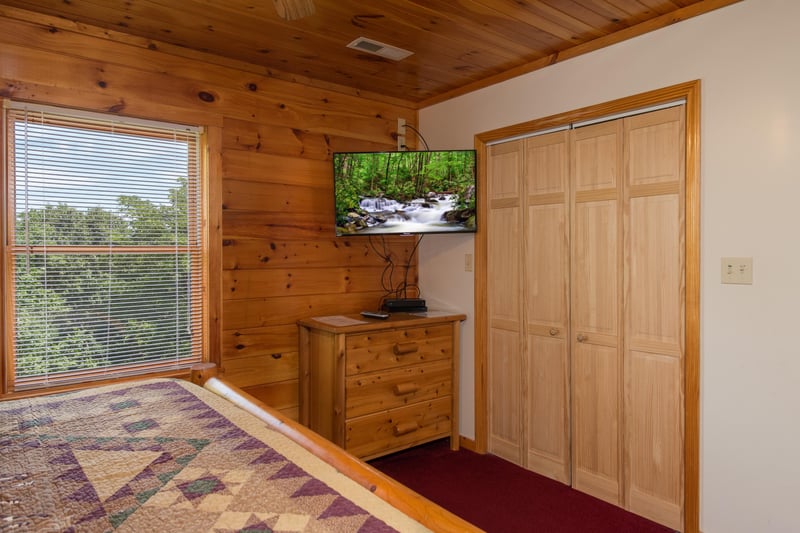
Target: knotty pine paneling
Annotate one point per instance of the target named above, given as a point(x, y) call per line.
point(246, 371)
point(248, 342)
point(241, 195)
point(458, 47)
point(35, 51)
point(282, 394)
point(273, 311)
point(268, 168)
point(267, 282)
point(265, 138)
point(248, 253)
point(279, 258)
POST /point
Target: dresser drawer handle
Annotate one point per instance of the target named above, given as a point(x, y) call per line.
point(405, 348)
point(403, 428)
point(401, 389)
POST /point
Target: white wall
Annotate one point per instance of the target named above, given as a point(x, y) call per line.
point(748, 58)
point(446, 285)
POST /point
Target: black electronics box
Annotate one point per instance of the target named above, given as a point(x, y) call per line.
point(405, 305)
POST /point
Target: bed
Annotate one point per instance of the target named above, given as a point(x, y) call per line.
point(172, 455)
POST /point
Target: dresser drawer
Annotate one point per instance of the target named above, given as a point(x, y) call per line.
point(369, 393)
point(385, 350)
point(373, 435)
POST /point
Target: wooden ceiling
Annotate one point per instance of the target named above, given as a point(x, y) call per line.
point(458, 45)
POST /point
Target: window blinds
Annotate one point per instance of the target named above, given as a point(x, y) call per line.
point(104, 226)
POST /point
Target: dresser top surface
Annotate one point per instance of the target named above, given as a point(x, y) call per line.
point(355, 323)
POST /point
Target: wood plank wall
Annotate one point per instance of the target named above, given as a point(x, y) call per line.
point(271, 176)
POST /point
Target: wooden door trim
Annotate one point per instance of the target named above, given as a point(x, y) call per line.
point(690, 93)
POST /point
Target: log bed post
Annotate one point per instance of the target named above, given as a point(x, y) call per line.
point(202, 372)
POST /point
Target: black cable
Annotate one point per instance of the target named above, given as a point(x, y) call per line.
point(387, 285)
point(415, 130)
point(383, 255)
point(408, 267)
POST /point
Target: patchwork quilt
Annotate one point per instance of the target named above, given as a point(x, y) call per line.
point(166, 455)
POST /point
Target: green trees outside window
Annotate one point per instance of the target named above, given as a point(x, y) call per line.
point(106, 250)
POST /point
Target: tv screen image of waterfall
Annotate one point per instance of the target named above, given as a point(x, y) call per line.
point(409, 192)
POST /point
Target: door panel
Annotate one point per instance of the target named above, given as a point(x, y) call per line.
point(654, 437)
point(546, 305)
point(654, 316)
point(504, 303)
point(655, 274)
point(504, 268)
point(547, 266)
point(655, 143)
point(547, 408)
point(505, 424)
point(547, 164)
point(595, 308)
point(594, 268)
point(597, 152)
point(595, 421)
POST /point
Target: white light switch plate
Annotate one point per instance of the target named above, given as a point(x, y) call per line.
point(738, 270)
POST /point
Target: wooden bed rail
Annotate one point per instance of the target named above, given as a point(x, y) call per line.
point(396, 494)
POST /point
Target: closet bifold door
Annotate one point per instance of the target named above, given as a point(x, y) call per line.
point(596, 309)
point(546, 305)
point(654, 315)
point(504, 303)
point(586, 295)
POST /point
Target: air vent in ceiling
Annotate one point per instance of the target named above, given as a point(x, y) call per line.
point(379, 49)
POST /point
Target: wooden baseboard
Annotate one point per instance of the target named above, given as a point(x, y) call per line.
point(468, 444)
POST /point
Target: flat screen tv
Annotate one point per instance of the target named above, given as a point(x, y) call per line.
point(409, 192)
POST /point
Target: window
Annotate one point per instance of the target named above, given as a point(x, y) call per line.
point(104, 247)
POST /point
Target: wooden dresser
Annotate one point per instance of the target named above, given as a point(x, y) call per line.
point(377, 386)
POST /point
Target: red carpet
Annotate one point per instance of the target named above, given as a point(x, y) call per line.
point(499, 496)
